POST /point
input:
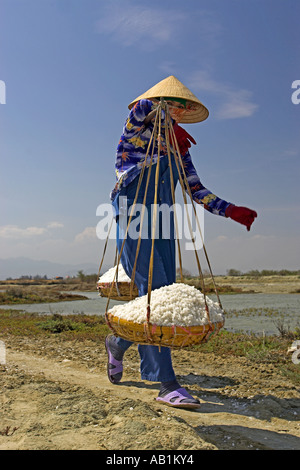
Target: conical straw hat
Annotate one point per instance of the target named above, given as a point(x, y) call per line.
point(172, 87)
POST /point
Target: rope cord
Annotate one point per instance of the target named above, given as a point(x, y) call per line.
point(133, 207)
point(105, 246)
point(173, 197)
point(142, 215)
point(156, 135)
point(197, 220)
point(183, 187)
point(150, 275)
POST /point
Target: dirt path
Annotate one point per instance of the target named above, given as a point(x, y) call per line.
point(57, 395)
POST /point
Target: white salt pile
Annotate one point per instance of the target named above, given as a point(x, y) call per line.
point(177, 304)
point(109, 276)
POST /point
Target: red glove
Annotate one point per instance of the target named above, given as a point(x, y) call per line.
point(243, 215)
point(183, 139)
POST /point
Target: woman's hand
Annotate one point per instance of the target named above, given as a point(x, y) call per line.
point(183, 138)
point(242, 215)
point(150, 116)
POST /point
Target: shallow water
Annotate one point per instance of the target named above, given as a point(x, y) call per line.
point(256, 313)
point(259, 313)
point(94, 305)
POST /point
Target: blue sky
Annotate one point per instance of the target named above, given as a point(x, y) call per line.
point(71, 67)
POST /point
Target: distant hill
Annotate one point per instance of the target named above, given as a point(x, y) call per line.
point(17, 267)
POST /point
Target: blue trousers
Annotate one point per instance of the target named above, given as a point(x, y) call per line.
point(156, 363)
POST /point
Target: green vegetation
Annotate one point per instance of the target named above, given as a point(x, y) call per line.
point(272, 350)
point(90, 278)
point(16, 322)
point(210, 289)
point(258, 347)
point(37, 279)
point(77, 326)
point(263, 272)
point(80, 327)
point(83, 326)
point(17, 295)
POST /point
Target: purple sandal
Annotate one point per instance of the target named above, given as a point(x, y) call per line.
point(177, 397)
point(114, 367)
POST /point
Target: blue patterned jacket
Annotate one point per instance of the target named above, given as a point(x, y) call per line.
point(131, 152)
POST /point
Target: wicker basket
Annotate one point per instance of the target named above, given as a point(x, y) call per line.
point(120, 290)
point(170, 336)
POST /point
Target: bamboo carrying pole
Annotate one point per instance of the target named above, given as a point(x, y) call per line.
point(197, 220)
point(130, 217)
point(156, 136)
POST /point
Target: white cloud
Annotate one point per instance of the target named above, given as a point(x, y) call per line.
point(15, 232)
point(233, 103)
point(221, 238)
point(291, 153)
point(89, 233)
point(133, 24)
point(43, 243)
point(237, 104)
point(55, 225)
point(262, 237)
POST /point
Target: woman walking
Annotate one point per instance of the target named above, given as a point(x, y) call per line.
point(156, 363)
